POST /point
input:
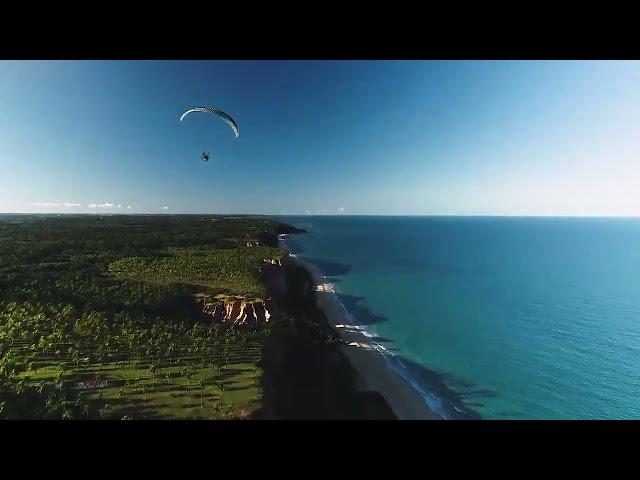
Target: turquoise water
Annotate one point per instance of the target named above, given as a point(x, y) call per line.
point(525, 318)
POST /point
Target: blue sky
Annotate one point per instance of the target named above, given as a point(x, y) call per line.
point(348, 137)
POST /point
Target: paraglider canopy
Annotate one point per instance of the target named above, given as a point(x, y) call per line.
point(230, 121)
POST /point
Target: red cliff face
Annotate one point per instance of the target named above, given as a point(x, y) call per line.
point(240, 310)
point(236, 310)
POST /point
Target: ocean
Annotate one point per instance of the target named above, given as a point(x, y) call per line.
point(493, 317)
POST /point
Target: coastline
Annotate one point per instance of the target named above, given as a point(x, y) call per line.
point(372, 368)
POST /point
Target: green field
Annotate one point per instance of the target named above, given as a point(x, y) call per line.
point(234, 271)
point(88, 365)
point(158, 390)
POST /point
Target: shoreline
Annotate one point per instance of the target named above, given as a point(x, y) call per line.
point(372, 368)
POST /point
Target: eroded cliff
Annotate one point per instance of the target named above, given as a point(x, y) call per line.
point(235, 309)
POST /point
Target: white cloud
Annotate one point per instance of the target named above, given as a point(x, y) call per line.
point(92, 205)
point(119, 206)
point(129, 206)
point(165, 208)
point(105, 205)
point(56, 204)
point(341, 209)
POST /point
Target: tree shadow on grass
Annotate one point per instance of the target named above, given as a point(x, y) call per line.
point(228, 372)
point(144, 413)
point(236, 389)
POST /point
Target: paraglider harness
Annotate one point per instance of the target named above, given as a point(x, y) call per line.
point(205, 156)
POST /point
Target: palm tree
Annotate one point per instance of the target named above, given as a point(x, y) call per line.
point(20, 386)
point(227, 344)
point(52, 404)
point(220, 385)
point(42, 343)
point(183, 373)
point(170, 349)
point(66, 414)
point(214, 410)
point(75, 355)
point(131, 342)
point(152, 371)
point(144, 392)
point(201, 385)
point(60, 374)
point(105, 411)
point(50, 348)
point(188, 374)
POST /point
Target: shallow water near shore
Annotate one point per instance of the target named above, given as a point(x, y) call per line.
point(499, 317)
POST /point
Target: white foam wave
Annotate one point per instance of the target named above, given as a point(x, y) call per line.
point(432, 401)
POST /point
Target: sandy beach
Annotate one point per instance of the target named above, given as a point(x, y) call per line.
point(375, 375)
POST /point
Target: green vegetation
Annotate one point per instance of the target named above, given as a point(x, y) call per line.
point(94, 323)
point(234, 271)
point(139, 370)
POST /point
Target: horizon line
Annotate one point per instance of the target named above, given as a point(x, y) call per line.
point(332, 215)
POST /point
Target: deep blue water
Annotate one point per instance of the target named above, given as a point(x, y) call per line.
point(535, 318)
